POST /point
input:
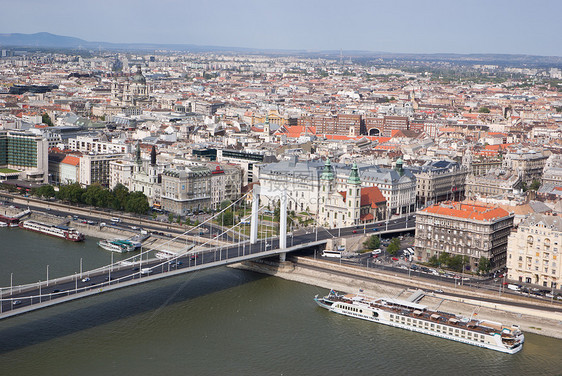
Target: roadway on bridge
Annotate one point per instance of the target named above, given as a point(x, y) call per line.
point(19, 299)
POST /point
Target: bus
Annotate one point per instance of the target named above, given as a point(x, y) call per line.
point(327, 253)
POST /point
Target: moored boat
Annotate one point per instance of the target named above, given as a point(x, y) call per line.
point(63, 232)
point(119, 246)
point(418, 318)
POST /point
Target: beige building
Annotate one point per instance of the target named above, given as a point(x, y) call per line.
point(226, 183)
point(463, 229)
point(533, 252)
point(186, 190)
point(439, 181)
point(528, 163)
point(494, 183)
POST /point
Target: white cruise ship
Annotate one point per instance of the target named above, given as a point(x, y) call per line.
point(418, 318)
point(58, 231)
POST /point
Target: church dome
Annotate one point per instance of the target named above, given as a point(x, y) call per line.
point(138, 77)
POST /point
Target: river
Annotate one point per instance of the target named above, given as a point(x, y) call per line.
point(218, 322)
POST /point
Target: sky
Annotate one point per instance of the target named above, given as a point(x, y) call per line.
point(403, 26)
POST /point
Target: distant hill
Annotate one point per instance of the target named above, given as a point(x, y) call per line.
point(48, 40)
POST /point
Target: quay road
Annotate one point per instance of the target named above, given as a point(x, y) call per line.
point(454, 291)
point(20, 299)
point(127, 221)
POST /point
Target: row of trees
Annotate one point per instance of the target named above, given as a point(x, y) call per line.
point(374, 242)
point(118, 198)
point(449, 261)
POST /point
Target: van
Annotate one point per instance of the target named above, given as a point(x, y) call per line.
point(146, 271)
point(377, 251)
point(513, 287)
point(341, 248)
point(410, 251)
point(115, 219)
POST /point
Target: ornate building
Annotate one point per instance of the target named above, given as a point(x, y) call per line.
point(533, 252)
point(133, 92)
point(351, 207)
point(463, 229)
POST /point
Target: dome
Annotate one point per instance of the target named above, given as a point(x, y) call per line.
point(138, 77)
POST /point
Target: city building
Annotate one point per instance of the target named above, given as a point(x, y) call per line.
point(494, 183)
point(226, 183)
point(23, 156)
point(528, 163)
point(533, 251)
point(94, 168)
point(186, 190)
point(463, 229)
point(438, 181)
point(353, 206)
point(88, 144)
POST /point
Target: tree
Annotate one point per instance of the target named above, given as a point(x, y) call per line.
point(535, 185)
point(46, 119)
point(44, 191)
point(433, 261)
point(171, 217)
point(484, 265)
point(373, 242)
point(137, 203)
point(394, 246)
point(120, 196)
point(484, 110)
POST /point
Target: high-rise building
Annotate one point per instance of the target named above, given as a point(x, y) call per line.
point(23, 156)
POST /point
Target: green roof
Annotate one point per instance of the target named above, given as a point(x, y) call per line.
point(7, 170)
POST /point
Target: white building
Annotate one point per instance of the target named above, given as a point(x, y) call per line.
point(533, 251)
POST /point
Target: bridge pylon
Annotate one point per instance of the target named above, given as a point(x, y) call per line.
point(257, 192)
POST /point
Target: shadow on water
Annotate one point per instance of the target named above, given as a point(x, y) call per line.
point(58, 321)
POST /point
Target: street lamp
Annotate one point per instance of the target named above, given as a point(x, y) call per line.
point(47, 275)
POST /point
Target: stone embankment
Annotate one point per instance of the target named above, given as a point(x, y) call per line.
point(378, 284)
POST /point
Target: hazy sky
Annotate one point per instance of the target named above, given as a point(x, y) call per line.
point(419, 26)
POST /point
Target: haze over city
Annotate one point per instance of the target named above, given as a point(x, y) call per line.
point(511, 27)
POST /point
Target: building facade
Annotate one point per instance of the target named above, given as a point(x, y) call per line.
point(494, 183)
point(463, 229)
point(186, 190)
point(25, 154)
point(439, 181)
point(533, 252)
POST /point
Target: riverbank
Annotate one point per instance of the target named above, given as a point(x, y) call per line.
point(377, 284)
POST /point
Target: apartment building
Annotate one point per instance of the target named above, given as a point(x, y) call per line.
point(463, 229)
point(438, 181)
point(186, 189)
point(23, 155)
point(533, 251)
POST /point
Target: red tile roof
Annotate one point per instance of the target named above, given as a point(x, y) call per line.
point(467, 211)
point(74, 161)
point(371, 196)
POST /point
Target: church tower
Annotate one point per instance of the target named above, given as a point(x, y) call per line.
point(353, 199)
point(138, 160)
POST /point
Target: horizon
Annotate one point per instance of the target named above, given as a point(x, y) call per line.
point(480, 27)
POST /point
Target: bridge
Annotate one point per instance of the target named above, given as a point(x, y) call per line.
point(16, 300)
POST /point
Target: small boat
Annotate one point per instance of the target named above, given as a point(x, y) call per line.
point(119, 246)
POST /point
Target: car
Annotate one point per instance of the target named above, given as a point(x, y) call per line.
point(16, 302)
point(438, 290)
point(179, 263)
point(194, 257)
point(375, 229)
point(55, 291)
point(86, 279)
point(136, 269)
point(173, 262)
point(395, 259)
point(355, 231)
point(267, 245)
point(134, 228)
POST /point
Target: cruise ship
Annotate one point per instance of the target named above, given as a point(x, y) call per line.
point(418, 318)
point(53, 230)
